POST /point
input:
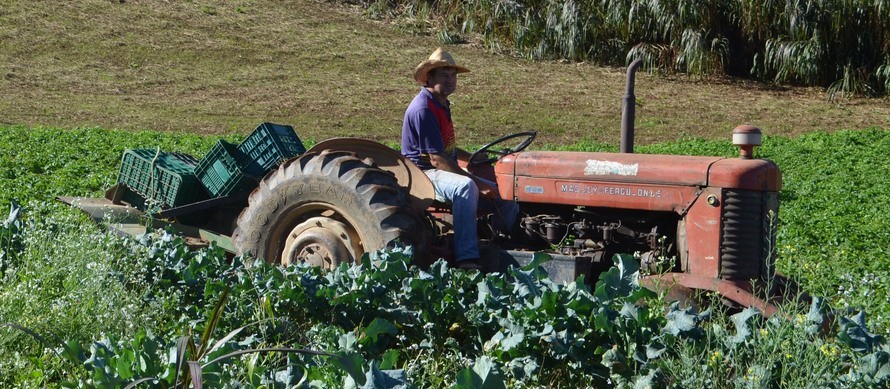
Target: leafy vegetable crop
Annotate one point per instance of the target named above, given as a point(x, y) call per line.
point(383, 319)
point(124, 306)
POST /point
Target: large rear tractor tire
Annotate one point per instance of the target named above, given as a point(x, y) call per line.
point(326, 208)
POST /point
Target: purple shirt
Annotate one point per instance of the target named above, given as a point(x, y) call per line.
point(427, 129)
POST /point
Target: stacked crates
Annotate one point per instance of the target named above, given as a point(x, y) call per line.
point(223, 170)
point(268, 145)
point(173, 179)
point(168, 179)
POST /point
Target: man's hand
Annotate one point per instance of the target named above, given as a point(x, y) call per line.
point(481, 157)
point(442, 162)
point(486, 189)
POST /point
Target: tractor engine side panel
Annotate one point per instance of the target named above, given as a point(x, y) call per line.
point(636, 168)
point(609, 180)
point(603, 194)
point(668, 170)
point(724, 207)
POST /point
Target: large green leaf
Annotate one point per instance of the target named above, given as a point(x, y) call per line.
point(616, 361)
point(390, 359)
point(685, 321)
point(817, 317)
point(351, 363)
point(743, 321)
point(874, 368)
point(485, 374)
point(652, 379)
point(854, 333)
point(538, 259)
point(378, 327)
point(514, 338)
point(375, 378)
point(621, 280)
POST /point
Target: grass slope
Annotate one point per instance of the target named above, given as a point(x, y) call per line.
point(224, 66)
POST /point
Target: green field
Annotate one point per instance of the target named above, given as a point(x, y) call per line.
point(83, 81)
point(62, 275)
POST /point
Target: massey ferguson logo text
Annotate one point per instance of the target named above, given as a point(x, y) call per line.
point(602, 168)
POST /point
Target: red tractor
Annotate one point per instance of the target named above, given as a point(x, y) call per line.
point(715, 216)
point(344, 197)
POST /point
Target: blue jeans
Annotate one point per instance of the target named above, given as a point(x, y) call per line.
point(462, 193)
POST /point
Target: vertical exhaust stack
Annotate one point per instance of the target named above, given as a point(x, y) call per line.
point(628, 109)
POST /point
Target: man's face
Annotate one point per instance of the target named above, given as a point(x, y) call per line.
point(443, 81)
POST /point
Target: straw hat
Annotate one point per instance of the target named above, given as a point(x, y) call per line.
point(439, 59)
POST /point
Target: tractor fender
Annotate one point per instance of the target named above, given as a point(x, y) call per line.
point(408, 175)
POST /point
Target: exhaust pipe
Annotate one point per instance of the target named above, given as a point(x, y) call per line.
point(628, 109)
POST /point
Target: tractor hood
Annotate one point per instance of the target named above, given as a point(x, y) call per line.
point(629, 168)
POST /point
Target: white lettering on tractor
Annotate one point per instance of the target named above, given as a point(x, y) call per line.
point(648, 193)
point(607, 190)
point(602, 168)
point(570, 188)
point(580, 189)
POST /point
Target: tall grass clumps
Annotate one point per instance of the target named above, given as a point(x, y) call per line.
point(840, 45)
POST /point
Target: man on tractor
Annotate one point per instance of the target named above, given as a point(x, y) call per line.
point(428, 140)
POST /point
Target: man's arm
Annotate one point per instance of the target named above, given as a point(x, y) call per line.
point(463, 155)
point(443, 162)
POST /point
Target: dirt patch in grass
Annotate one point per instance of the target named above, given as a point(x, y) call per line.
point(218, 67)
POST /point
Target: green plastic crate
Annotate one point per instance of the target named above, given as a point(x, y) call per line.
point(166, 178)
point(222, 170)
point(268, 145)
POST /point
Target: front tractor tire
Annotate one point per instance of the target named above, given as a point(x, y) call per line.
point(326, 208)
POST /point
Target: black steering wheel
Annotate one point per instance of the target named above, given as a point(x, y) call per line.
point(529, 137)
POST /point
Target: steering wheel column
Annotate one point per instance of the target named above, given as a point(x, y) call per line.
point(483, 155)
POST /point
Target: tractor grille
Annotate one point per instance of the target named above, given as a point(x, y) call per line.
point(749, 234)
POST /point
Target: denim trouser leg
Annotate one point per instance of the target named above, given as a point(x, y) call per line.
point(505, 213)
point(463, 195)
